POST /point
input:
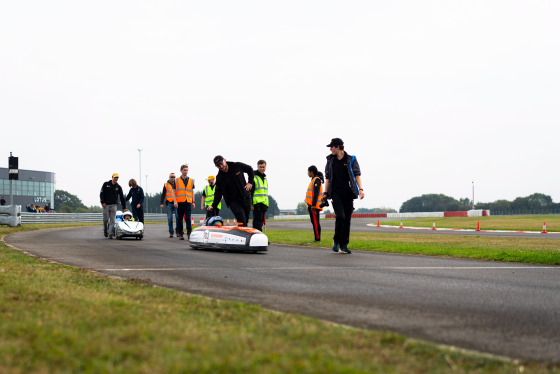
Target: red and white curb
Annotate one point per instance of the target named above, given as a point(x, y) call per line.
point(469, 230)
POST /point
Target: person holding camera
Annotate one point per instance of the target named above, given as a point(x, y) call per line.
point(314, 200)
point(343, 184)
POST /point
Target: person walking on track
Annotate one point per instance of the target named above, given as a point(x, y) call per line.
point(260, 196)
point(168, 198)
point(110, 193)
point(313, 199)
point(343, 184)
point(184, 201)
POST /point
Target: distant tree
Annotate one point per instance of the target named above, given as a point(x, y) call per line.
point(65, 202)
point(273, 209)
point(301, 208)
point(375, 210)
point(520, 204)
point(499, 206)
point(539, 201)
point(431, 203)
point(465, 203)
point(480, 205)
point(95, 209)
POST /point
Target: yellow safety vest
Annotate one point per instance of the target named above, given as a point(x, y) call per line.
point(261, 191)
point(209, 198)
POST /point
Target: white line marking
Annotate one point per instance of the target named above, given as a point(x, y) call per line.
point(348, 267)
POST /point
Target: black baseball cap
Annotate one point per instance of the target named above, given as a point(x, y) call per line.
point(335, 142)
point(218, 160)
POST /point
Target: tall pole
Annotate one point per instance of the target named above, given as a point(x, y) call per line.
point(140, 166)
point(473, 195)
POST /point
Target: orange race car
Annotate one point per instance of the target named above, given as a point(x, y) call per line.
point(214, 235)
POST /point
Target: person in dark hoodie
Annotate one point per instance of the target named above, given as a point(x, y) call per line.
point(137, 204)
point(110, 193)
point(232, 186)
point(260, 196)
point(343, 184)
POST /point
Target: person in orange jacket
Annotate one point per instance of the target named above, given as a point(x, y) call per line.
point(313, 199)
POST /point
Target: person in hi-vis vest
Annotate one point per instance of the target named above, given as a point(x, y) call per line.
point(208, 198)
point(168, 200)
point(260, 196)
point(313, 199)
point(184, 201)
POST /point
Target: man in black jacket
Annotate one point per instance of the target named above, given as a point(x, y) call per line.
point(231, 185)
point(343, 184)
point(109, 196)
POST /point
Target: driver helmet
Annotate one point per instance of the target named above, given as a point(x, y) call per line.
point(127, 215)
point(215, 221)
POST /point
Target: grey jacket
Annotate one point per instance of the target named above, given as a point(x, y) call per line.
point(355, 169)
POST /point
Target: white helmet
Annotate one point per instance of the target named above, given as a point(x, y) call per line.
point(126, 215)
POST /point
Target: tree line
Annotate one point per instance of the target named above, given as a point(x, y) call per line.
point(65, 202)
point(536, 202)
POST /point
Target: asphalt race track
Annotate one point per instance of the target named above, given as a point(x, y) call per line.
point(506, 309)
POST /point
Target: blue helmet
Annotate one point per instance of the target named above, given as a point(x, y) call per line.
point(215, 221)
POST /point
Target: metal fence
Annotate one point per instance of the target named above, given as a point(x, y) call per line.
point(87, 217)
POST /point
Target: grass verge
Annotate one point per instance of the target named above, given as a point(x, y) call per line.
point(534, 251)
point(56, 319)
point(514, 223)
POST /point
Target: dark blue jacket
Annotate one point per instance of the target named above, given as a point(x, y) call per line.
point(137, 195)
point(355, 170)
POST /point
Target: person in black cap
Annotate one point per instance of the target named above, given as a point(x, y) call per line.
point(109, 196)
point(232, 186)
point(343, 184)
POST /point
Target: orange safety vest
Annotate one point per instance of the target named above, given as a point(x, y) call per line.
point(168, 192)
point(309, 194)
point(184, 193)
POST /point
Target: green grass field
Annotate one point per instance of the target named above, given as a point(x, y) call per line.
point(534, 251)
point(516, 223)
point(58, 319)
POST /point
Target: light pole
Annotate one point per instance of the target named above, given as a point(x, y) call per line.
point(140, 166)
point(473, 195)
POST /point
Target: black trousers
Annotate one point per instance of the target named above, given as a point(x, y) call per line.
point(314, 216)
point(184, 211)
point(138, 213)
point(259, 211)
point(343, 205)
point(241, 210)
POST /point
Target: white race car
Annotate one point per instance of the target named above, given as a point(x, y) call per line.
point(213, 235)
point(125, 226)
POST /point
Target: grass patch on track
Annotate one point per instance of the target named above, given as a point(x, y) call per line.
point(56, 319)
point(514, 223)
point(527, 250)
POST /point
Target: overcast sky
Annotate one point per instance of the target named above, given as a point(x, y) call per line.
point(429, 95)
